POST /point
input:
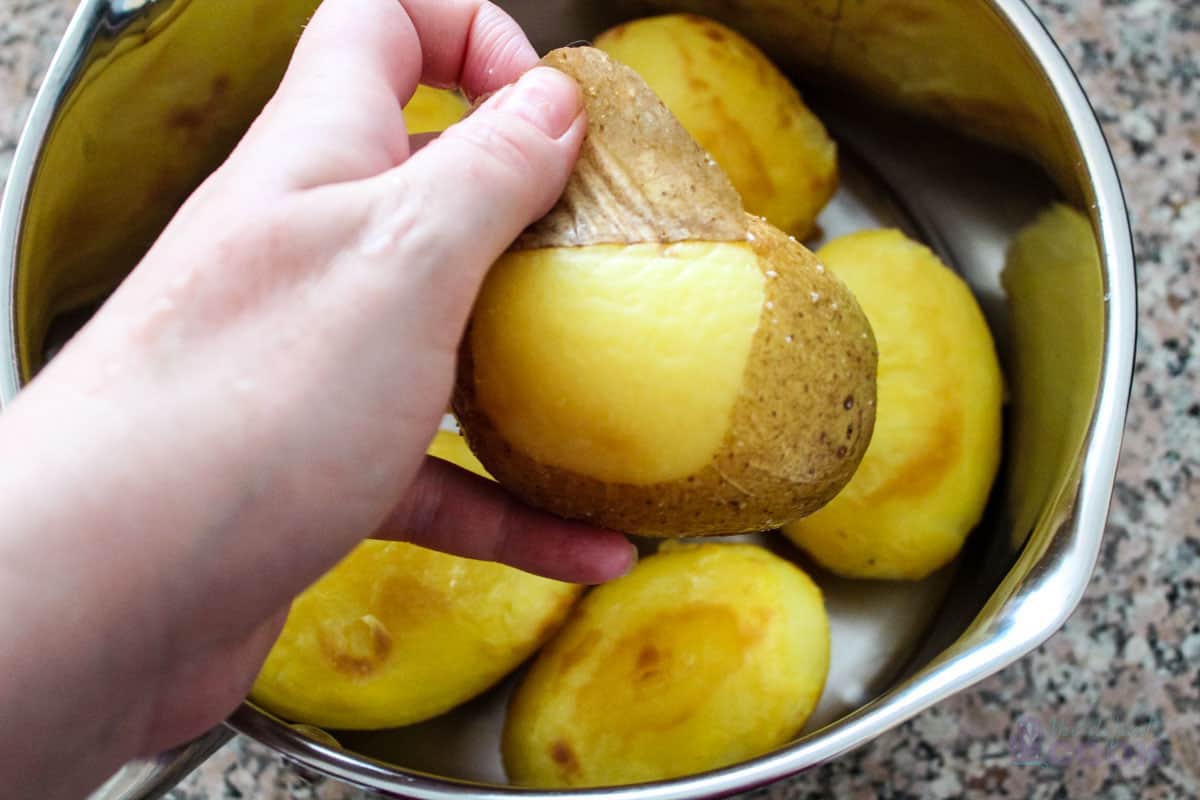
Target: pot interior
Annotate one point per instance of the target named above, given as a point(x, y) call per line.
point(948, 128)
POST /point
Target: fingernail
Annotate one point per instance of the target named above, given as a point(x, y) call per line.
point(633, 560)
point(544, 97)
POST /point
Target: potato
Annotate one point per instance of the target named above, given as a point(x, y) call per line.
point(432, 110)
point(740, 108)
point(703, 656)
point(395, 633)
point(650, 358)
point(925, 478)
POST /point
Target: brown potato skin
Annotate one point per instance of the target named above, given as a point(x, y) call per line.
point(737, 104)
point(640, 177)
point(796, 434)
point(804, 418)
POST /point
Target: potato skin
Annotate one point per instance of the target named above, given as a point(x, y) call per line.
point(395, 633)
point(703, 656)
point(796, 434)
point(924, 481)
point(639, 177)
point(806, 409)
point(739, 107)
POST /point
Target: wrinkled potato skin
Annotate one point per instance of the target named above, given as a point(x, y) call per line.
point(739, 107)
point(703, 656)
point(395, 633)
point(806, 410)
point(640, 177)
point(924, 481)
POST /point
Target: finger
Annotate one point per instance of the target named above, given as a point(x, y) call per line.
point(337, 113)
point(336, 116)
point(471, 44)
point(418, 141)
point(457, 512)
point(247, 656)
point(436, 223)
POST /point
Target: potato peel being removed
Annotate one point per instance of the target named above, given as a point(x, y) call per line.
point(650, 358)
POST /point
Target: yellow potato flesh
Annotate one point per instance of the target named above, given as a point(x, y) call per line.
point(637, 351)
point(703, 656)
point(925, 478)
point(453, 448)
point(431, 110)
point(740, 108)
point(395, 633)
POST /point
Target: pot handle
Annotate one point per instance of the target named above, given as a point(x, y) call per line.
point(152, 777)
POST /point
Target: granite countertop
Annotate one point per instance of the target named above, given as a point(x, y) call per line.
point(1127, 664)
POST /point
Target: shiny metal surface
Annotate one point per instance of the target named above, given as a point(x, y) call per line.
point(899, 82)
point(155, 776)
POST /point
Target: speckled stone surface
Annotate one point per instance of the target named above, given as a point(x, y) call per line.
point(1126, 668)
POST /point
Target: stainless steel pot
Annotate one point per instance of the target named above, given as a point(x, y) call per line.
point(958, 119)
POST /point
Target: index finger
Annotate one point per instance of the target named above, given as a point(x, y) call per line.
point(472, 44)
point(336, 115)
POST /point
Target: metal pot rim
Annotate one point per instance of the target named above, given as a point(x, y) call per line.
point(1054, 578)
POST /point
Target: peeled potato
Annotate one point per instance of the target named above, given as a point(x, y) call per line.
point(431, 110)
point(925, 478)
point(395, 633)
point(650, 358)
point(703, 656)
point(740, 108)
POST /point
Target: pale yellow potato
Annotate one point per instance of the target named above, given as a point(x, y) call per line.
point(432, 110)
point(395, 633)
point(929, 467)
point(574, 319)
point(650, 358)
point(739, 107)
point(705, 655)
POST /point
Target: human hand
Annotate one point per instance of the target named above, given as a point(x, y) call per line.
point(258, 395)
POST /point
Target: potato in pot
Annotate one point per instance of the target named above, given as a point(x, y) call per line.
point(740, 108)
point(705, 655)
point(648, 357)
point(925, 478)
point(395, 633)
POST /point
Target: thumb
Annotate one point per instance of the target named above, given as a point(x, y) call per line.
point(443, 217)
point(508, 161)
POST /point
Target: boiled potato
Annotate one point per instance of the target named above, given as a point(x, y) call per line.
point(925, 478)
point(703, 656)
point(649, 357)
point(432, 110)
point(740, 108)
point(395, 633)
